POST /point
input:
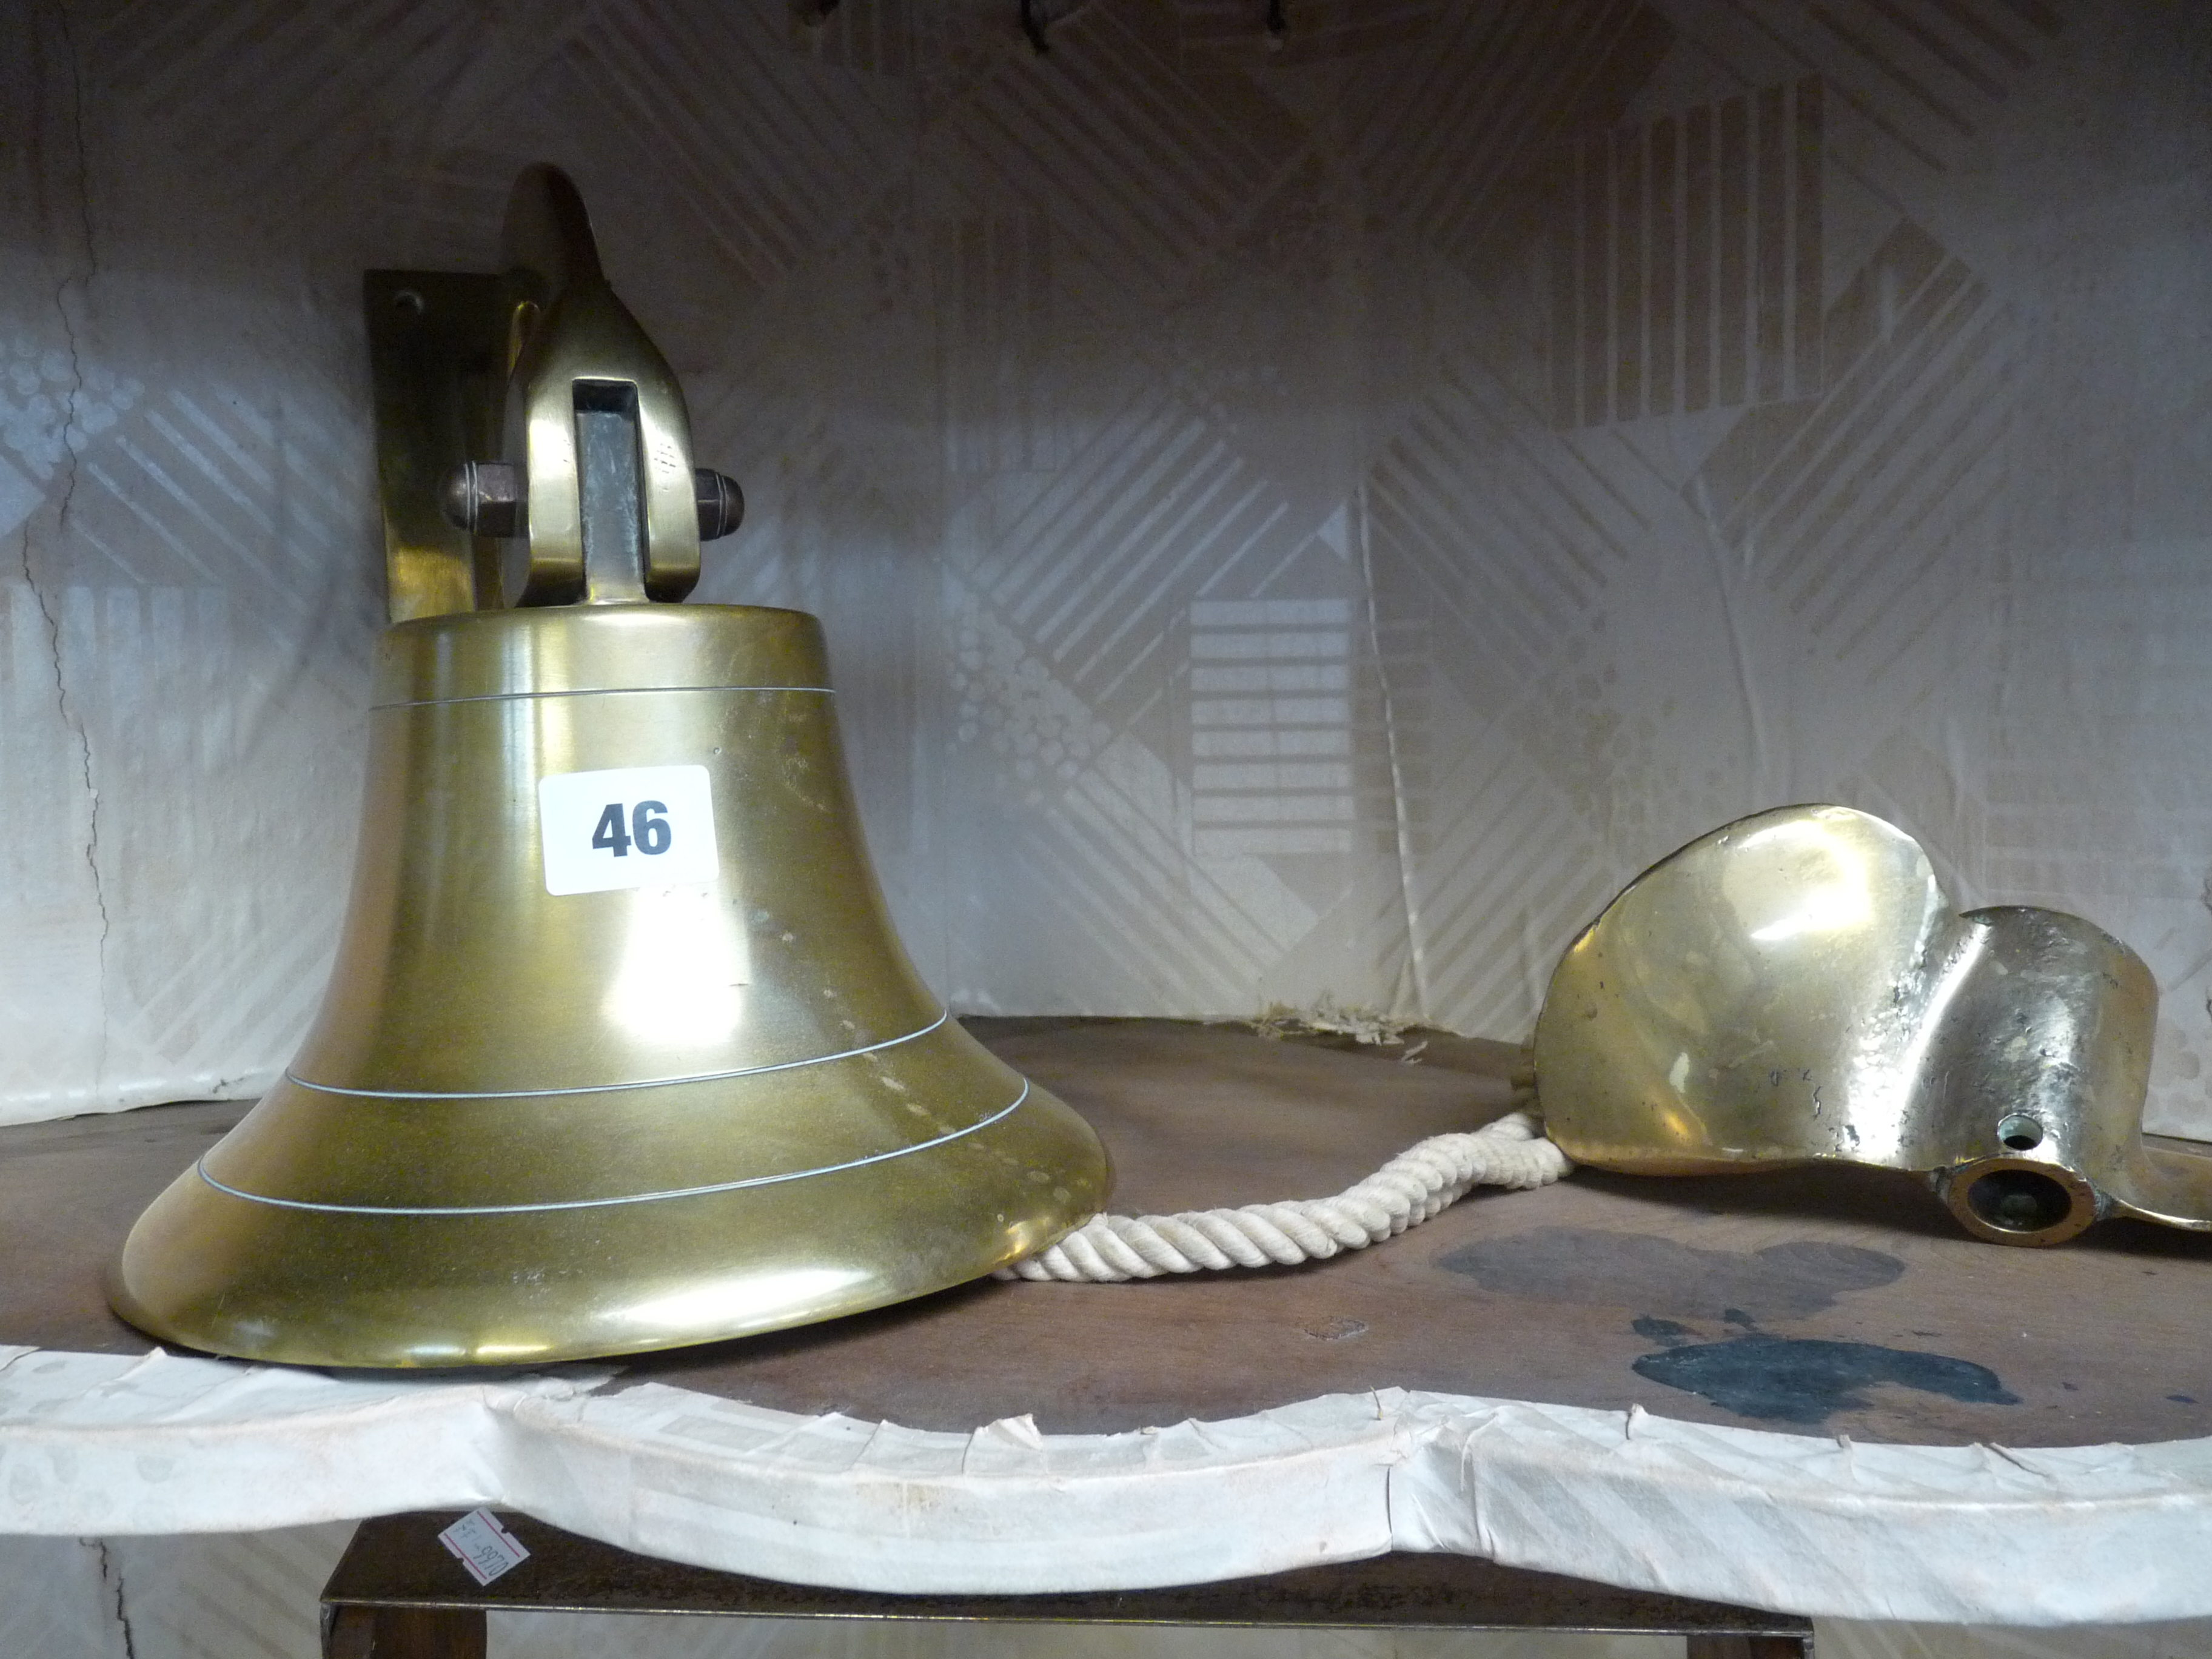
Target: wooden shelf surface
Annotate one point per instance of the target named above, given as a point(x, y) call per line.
point(1819, 1302)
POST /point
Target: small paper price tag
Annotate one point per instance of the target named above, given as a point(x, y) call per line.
point(483, 1546)
point(631, 826)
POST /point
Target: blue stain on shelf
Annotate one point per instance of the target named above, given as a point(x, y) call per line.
point(1665, 1278)
point(1780, 1379)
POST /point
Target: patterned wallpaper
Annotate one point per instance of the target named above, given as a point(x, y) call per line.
point(1294, 515)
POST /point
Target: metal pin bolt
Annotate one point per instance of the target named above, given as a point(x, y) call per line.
point(484, 498)
point(721, 503)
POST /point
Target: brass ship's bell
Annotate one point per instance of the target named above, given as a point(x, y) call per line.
point(620, 1051)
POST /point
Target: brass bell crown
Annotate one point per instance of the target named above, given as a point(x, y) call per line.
point(620, 1050)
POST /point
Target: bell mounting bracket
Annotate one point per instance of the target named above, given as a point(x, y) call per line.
point(532, 444)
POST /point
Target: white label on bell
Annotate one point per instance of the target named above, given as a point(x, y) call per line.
point(634, 826)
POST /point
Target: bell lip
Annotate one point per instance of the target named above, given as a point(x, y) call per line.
point(173, 1334)
point(1084, 1163)
point(558, 650)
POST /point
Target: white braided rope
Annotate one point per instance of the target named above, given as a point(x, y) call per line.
point(1425, 1178)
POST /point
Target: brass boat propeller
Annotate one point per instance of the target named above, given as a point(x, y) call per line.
point(1796, 988)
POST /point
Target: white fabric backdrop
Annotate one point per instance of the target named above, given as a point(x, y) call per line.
point(1288, 523)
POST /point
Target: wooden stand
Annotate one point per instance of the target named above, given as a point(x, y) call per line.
point(397, 1594)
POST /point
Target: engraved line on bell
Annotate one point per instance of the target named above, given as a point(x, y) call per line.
point(942, 1015)
point(630, 1198)
point(594, 691)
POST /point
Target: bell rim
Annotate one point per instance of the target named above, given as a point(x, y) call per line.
point(255, 1314)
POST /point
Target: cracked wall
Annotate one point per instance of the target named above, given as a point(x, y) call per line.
point(226, 1596)
point(186, 625)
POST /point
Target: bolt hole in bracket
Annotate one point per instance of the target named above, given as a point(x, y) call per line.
point(460, 363)
point(2003, 1054)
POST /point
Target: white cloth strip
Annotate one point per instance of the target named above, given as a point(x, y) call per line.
point(99, 1445)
